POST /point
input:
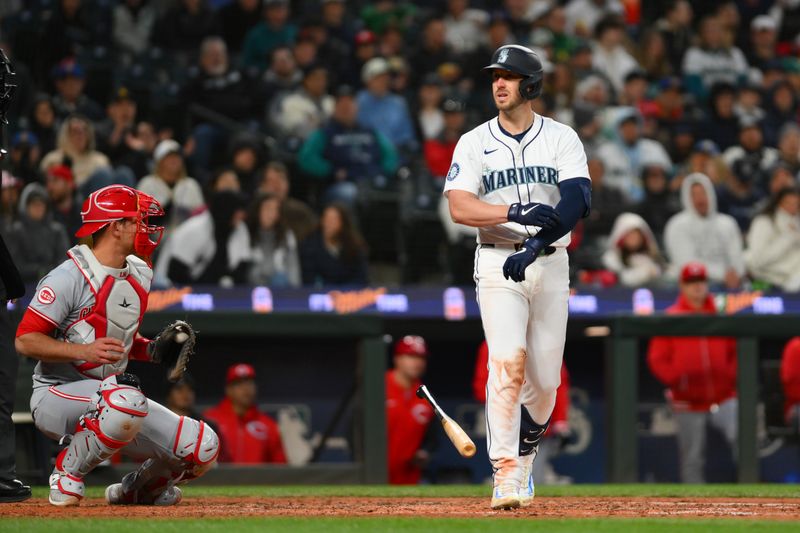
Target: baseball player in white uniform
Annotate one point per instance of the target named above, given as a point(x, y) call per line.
point(82, 326)
point(522, 180)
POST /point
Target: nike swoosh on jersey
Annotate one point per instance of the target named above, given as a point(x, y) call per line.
point(487, 152)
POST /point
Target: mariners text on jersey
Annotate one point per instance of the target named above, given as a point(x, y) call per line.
point(497, 179)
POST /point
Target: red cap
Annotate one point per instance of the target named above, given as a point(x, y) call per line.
point(693, 271)
point(365, 37)
point(63, 172)
point(240, 371)
point(411, 345)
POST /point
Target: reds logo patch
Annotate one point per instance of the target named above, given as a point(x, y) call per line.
point(46, 295)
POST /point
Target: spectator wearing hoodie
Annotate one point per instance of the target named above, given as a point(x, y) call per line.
point(628, 153)
point(36, 242)
point(773, 242)
point(179, 194)
point(700, 376)
point(722, 124)
point(632, 252)
point(700, 233)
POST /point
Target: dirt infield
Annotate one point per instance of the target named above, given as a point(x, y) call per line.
point(311, 506)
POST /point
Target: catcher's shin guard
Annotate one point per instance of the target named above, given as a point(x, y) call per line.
point(111, 424)
point(195, 450)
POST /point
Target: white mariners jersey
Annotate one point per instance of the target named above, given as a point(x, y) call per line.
point(499, 170)
point(70, 295)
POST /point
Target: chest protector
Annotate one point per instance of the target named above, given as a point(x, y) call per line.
point(119, 305)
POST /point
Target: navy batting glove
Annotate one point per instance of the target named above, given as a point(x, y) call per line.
point(541, 215)
point(516, 263)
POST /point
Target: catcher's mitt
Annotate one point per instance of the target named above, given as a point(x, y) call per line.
point(173, 347)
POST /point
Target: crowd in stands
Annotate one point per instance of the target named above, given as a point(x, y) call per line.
point(295, 142)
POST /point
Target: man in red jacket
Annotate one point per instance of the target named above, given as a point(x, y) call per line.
point(700, 373)
point(790, 377)
point(408, 418)
point(248, 436)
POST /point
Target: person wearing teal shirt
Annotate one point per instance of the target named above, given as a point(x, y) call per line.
point(274, 31)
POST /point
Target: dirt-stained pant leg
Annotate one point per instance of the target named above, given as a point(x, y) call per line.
point(175, 449)
point(547, 330)
point(504, 311)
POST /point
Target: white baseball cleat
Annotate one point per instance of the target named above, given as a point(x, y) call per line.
point(505, 496)
point(65, 490)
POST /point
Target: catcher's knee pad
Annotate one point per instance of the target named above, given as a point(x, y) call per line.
point(197, 445)
point(114, 422)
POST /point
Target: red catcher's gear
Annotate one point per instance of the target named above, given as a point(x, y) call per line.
point(559, 420)
point(407, 420)
point(252, 438)
point(118, 202)
point(699, 371)
point(790, 372)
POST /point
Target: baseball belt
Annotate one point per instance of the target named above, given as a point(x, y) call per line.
point(549, 250)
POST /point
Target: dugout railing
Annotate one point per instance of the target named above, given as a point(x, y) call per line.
point(622, 371)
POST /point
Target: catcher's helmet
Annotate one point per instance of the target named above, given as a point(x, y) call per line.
point(118, 202)
point(522, 61)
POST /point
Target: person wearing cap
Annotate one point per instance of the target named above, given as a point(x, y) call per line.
point(36, 241)
point(701, 233)
point(116, 134)
point(305, 109)
point(180, 195)
point(383, 111)
point(60, 184)
point(773, 242)
point(248, 436)
point(700, 376)
point(70, 81)
point(345, 153)
point(713, 60)
point(408, 418)
point(273, 31)
point(763, 41)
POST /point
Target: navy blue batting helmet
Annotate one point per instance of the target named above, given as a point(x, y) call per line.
point(522, 61)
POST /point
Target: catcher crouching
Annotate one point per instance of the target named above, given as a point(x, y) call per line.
point(82, 326)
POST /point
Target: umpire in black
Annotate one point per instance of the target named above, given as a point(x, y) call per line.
point(11, 288)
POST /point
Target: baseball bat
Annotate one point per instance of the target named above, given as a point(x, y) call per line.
point(457, 436)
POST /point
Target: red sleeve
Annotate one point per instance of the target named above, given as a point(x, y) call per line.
point(34, 322)
point(659, 358)
point(274, 448)
point(481, 373)
point(561, 409)
point(139, 349)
